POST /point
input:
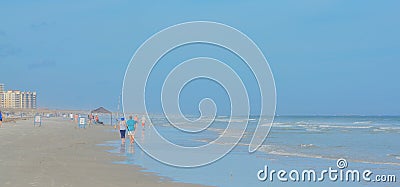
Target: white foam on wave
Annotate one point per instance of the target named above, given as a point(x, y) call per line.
point(231, 120)
point(278, 126)
point(307, 145)
point(313, 130)
point(393, 155)
point(283, 153)
point(389, 128)
point(279, 123)
point(362, 122)
point(302, 122)
point(268, 124)
point(345, 126)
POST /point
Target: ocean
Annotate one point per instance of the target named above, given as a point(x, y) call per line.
point(366, 143)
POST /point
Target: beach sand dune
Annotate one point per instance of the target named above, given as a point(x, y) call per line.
point(59, 154)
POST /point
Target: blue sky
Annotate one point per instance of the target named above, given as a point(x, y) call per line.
point(327, 57)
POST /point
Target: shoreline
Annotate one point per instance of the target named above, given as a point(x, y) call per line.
point(60, 154)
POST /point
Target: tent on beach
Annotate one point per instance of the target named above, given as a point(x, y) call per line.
point(102, 110)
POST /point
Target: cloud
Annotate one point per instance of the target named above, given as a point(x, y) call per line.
point(42, 64)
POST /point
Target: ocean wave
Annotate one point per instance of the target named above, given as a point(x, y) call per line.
point(389, 128)
point(307, 145)
point(320, 127)
point(272, 150)
point(376, 162)
point(378, 130)
point(279, 125)
point(393, 155)
point(277, 150)
point(231, 120)
point(331, 126)
point(313, 130)
point(362, 122)
point(302, 122)
point(345, 126)
point(283, 153)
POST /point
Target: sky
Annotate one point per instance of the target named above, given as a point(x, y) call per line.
point(328, 57)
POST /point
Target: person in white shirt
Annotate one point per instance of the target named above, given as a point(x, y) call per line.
point(122, 130)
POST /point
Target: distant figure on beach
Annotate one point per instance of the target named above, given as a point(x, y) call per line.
point(131, 124)
point(90, 119)
point(96, 119)
point(76, 118)
point(122, 130)
point(1, 119)
point(143, 120)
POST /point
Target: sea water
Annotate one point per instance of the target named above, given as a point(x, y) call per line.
point(294, 143)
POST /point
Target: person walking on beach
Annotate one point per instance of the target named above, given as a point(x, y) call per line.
point(90, 119)
point(143, 120)
point(122, 130)
point(131, 125)
point(76, 118)
point(96, 119)
point(1, 119)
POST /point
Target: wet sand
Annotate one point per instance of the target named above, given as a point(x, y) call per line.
point(59, 154)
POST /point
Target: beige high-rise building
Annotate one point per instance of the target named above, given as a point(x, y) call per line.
point(1, 95)
point(12, 99)
point(16, 99)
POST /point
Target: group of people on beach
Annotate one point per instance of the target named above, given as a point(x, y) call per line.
point(90, 119)
point(93, 119)
point(129, 125)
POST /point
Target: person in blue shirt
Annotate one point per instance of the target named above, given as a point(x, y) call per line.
point(1, 119)
point(131, 126)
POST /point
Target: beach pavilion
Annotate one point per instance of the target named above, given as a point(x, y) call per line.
point(102, 110)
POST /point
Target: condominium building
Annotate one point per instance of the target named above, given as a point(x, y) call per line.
point(28, 99)
point(16, 99)
point(1, 95)
point(12, 99)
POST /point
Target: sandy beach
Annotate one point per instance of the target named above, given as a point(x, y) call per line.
point(59, 154)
